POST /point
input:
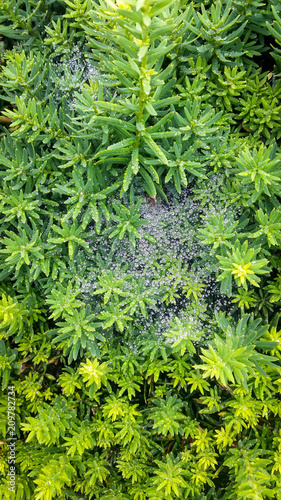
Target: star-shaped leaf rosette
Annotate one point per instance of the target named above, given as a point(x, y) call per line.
point(242, 265)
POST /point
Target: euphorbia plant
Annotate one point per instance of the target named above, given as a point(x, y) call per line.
point(160, 401)
point(242, 265)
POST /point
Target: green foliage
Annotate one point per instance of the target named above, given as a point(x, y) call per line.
point(167, 415)
point(140, 220)
point(243, 265)
point(93, 373)
point(14, 316)
point(79, 329)
point(235, 358)
point(217, 233)
point(261, 170)
point(22, 250)
point(8, 357)
point(269, 226)
point(50, 423)
point(275, 30)
point(168, 478)
point(128, 220)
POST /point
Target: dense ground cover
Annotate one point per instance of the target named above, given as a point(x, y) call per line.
point(140, 268)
